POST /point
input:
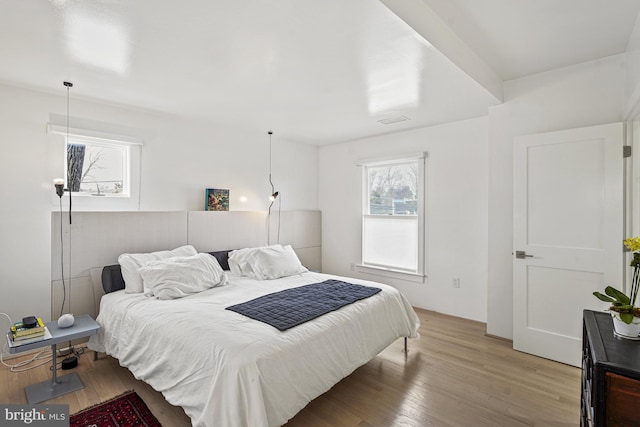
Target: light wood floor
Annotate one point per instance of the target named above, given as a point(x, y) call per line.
point(453, 375)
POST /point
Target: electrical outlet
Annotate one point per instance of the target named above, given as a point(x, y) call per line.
point(455, 282)
point(353, 266)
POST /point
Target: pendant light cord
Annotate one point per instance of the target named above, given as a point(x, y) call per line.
point(71, 349)
point(69, 85)
point(270, 181)
point(274, 195)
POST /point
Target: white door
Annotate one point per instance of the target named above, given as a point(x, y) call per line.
point(568, 220)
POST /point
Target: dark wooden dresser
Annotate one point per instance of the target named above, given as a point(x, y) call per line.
point(610, 375)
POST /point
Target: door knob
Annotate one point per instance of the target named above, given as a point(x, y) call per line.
point(522, 255)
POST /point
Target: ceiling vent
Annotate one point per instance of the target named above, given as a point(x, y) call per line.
point(392, 120)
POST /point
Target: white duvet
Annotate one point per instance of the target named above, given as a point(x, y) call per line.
point(228, 370)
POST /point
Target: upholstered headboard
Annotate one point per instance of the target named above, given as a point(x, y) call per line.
point(112, 278)
point(145, 232)
point(112, 275)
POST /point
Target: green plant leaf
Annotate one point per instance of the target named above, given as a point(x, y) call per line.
point(626, 317)
point(603, 297)
point(616, 294)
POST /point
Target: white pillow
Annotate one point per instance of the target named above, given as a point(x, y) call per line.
point(273, 263)
point(177, 277)
point(239, 259)
point(236, 257)
point(130, 263)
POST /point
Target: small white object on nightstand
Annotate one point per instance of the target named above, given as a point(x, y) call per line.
point(66, 320)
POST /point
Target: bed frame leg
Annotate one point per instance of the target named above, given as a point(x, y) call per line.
point(95, 356)
point(405, 346)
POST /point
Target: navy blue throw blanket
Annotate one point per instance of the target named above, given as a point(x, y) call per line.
point(292, 307)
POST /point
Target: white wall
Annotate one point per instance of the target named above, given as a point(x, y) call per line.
point(632, 107)
point(632, 104)
point(582, 95)
point(456, 212)
point(180, 158)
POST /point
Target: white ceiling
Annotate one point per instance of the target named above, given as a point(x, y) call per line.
point(312, 71)
point(522, 37)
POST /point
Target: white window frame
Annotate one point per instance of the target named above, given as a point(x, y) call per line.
point(414, 275)
point(133, 154)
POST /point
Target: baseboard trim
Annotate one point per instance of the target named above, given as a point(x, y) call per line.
point(498, 338)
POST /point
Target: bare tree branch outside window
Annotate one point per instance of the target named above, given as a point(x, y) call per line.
point(94, 164)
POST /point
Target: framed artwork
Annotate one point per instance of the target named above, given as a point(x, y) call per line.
point(216, 199)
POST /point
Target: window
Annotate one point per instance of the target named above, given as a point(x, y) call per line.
point(98, 167)
point(102, 168)
point(393, 214)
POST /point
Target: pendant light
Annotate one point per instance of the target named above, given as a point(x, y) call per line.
point(65, 320)
point(274, 193)
point(273, 197)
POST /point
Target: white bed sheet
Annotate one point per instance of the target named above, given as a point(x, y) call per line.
point(226, 369)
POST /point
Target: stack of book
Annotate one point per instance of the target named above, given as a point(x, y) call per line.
point(20, 334)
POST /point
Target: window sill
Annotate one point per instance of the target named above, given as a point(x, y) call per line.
point(391, 273)
point(100, 196)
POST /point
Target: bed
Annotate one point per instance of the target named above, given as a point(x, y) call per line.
point(226, 369)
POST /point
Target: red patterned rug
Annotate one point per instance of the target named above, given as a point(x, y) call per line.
point(125, 410)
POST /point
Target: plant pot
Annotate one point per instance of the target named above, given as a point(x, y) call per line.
point(624, 330)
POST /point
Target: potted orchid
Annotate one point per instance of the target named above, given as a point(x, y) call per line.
point(625, 314)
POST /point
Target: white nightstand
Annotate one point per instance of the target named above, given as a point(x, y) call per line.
point(83, 327)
